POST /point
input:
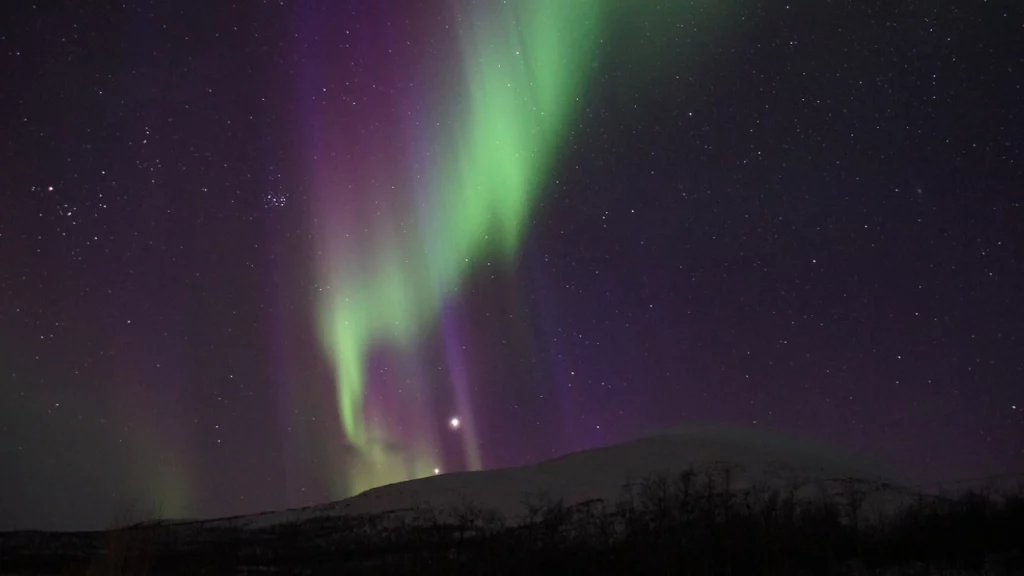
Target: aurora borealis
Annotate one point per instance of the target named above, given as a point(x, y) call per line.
point(479, 166)
point(265, 255)
point(523, 65)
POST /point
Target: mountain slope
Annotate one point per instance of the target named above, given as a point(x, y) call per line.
point(753, 459)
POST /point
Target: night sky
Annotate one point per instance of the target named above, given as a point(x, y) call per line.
point(259, 255)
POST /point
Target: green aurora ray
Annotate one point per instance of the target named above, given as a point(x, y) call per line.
point(526, 65)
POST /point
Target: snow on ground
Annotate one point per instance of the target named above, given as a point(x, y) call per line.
point(602, 473)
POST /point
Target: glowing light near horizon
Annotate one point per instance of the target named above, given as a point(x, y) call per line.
point(454, 423)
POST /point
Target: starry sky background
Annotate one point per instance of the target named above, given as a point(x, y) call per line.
point(804, 216)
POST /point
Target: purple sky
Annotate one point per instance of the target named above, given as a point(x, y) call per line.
point(810, 224)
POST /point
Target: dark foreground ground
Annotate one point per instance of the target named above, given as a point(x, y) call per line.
point(662, 526)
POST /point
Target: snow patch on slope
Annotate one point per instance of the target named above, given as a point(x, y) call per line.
point(754, 460)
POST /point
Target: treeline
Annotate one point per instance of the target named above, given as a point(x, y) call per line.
point(694, 524)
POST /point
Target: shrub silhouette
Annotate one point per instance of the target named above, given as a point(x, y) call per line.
point(694, 522)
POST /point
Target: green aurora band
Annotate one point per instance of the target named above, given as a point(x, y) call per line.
point(526, 64)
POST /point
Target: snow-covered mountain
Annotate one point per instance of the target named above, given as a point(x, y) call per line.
point(753, 459)
point(562, 506)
